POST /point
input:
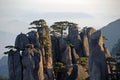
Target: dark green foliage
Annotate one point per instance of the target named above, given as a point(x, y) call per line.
point(60, 26)
point(59, 67)
point(29, 46)
point(38, 22)
point(84, 62)
point(12, 49)
point(114, 67)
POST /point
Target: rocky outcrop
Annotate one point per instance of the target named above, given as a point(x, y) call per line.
point(28, 65)
point(106, 50)
point(75, 39)
point(65, 52)
point(39, 56)
point(78, 73)
point(74, 56)
point(85, 36)
point(97, 60)
point(21, 41)
point(14, 65)
point(34, 39)
point(90, 31)
point(85, 45)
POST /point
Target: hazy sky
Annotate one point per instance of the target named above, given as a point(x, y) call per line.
point(15, 15)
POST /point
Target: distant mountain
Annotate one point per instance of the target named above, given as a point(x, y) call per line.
point(6, 38)
point(112, 32)
point(4, 66)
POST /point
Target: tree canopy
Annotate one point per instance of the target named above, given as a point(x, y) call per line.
point(60, 26)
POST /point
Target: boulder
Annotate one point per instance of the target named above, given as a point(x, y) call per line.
point(97, 60)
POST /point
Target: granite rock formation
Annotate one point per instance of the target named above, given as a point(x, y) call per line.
point(41, 56)
point(97, 59)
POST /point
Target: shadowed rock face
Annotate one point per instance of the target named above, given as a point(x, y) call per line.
point(74, 56)
point(55, 49)
point(28, 65)
point(40, 51)
point(65, 52)
point(75, 39)
point(21, 41)
point(97, 60)
point(33, 39)
point(14, 66)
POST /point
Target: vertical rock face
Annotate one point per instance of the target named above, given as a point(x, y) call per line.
point(15, 66)
point(18, 66)
point(34, 38)
point(85, 36)
point(46, 47)
point(40, 68)
point(90, 31)
point(97, 60)
point(11, 65)
point(27, 66)
point(74, 56)
point(65, 52)
point(107, 52)
point(85, 45)
point(75, 39)
point(39, 55)
point(55, 49)
point(78, 73)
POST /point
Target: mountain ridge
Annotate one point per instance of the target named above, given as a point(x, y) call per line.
point(111, 31)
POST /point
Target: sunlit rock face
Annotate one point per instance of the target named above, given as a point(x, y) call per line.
point(78, 73)
point(74, 56)
point(107, 52)
point(38, 53)
point(97, 59)
point(90, 31)
point(85, 36)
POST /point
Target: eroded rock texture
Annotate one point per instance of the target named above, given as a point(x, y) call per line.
point(40, 56)
point(97, 59)
point(14, 65)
